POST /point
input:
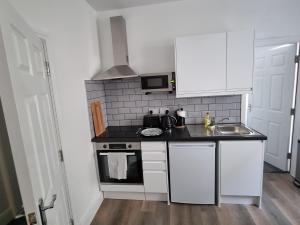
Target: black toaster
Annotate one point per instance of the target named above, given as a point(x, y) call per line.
point(151, 120)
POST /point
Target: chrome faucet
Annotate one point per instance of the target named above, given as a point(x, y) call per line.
point(226, 118)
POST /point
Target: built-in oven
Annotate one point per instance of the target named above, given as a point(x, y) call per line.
point(157, 82)
point(133, 158)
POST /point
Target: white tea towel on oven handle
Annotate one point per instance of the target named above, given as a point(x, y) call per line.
point(117, 165)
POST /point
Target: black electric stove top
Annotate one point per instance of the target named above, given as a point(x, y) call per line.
point(121, 132)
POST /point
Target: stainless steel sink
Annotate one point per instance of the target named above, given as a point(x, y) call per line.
point(233, 129)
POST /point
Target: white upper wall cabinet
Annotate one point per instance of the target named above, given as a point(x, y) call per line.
point(240, 55)
point(214, 64)
point(200, 64)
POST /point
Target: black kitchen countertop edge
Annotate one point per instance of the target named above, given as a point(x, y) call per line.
point(114, 134)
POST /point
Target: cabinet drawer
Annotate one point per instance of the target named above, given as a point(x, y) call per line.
point(154, 146)
point(155, 181)
point(154, 156)
point(157, 165)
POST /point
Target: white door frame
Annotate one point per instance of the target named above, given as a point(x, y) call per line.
point(244, 104)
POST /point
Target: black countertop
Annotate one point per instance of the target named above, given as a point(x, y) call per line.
point(129, 133)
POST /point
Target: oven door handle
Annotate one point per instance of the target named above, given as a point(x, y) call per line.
point(124, 153)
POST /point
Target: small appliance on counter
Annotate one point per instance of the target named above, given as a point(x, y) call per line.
point(180, 116)
point(167, 121)
point(151, 120)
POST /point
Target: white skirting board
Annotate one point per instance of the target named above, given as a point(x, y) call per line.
point(243, 200)
point(92, 210)
point(122, 188)
point(136, 196)
point(156, 197)
point(124, 195)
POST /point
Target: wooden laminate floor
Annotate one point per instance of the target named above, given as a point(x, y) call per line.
point(280, 206)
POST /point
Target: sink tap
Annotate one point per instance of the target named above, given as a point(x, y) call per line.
point(226, 118)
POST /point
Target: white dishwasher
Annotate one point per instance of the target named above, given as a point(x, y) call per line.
point(192, 172)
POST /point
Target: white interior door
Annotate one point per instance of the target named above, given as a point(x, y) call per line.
point(30, 84)
point(271, 102)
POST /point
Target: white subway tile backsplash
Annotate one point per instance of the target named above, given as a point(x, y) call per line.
point(155, 103)
point(129, 91)
point(123, 98)
point(125, 123)
point(131, 116)
point(125, 104)
point(215, 107)
point(189, 108)
point(136, 110)
point(116, 92)
point(129, 104)
point(141, 103)
point(134, 85)
point(169, 102)
point(117, 104)
point(208, 100)
point(181, 101)
point(201, 108)
point(119, 117)
point(235, 113)
point(135, 97)
point(222, 113)
point(194, 100)
point(231, 106)
point(124, 110)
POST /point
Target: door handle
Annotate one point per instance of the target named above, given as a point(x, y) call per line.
point(44, 208)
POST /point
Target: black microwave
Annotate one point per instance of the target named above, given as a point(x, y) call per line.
point(157, 82)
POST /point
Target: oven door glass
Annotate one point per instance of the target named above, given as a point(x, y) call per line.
point(155, 82)
point(134, 168)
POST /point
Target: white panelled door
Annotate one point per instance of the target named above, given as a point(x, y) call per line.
point(30, 83)
point(272, 99)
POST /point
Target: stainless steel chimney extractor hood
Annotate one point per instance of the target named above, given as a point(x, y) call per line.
point(121, 68)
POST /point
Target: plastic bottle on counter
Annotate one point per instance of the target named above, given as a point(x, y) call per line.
point(207, 120)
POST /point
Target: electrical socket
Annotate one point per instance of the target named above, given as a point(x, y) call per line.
point(163, 110)
point(154, 110)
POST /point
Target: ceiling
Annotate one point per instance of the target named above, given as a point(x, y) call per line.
point(102, 5)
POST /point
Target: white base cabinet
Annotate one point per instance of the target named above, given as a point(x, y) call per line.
point(240, 171)
point(155, 171)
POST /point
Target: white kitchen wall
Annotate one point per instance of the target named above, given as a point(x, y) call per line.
point(70, 27)
point(151, 29)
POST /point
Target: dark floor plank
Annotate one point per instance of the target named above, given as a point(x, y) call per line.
point(268, 168)
point(280, 206)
